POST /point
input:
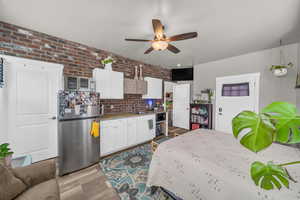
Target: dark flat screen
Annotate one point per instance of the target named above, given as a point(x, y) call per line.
point(184, 74)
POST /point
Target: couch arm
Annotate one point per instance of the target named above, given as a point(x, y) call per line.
point(36, 173)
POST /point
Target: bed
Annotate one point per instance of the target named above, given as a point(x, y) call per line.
point(211, 165)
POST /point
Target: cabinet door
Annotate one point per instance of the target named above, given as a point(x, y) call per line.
point(144, 131)
point(154, 88)
point(130, 86)
point(116, 85)
point(157, 88)
point(119, 133)
point(103, 83)
point(149, 131)
point(141, 87)
point(131, 131)
point(106, 141)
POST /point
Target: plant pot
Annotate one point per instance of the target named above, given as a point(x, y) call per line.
point(6, 161)
point(280, 72)
point(108, 66)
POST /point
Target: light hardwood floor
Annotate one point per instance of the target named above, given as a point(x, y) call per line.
point(86, 184)
point(91, 183)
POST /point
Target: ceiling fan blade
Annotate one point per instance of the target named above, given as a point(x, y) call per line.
point(149, 50)
point(184, 36)
point(158, 28)
point(138, 40)
point(173, 48)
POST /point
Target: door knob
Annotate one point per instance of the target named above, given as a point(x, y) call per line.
point(53, 118)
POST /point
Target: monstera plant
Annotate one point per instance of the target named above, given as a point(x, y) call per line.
point(277, 122)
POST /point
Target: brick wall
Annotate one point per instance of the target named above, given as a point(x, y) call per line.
point(78, 59)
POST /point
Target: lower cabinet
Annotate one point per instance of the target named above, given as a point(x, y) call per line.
point(119, 134)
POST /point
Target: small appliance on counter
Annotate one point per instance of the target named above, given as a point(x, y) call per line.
point(78, 112)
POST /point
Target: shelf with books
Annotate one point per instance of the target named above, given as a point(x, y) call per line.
point(200, 116)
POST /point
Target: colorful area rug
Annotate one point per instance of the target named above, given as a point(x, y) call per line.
point(127, 172)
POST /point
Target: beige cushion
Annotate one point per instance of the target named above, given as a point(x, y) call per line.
point(36, 173)
point(10, 186)
point(45, 191)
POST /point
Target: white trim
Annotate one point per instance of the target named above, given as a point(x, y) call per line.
point(27, 61)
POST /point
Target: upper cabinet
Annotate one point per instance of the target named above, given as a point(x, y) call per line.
point(154, 88)
point(110, 84)
point(132, 86)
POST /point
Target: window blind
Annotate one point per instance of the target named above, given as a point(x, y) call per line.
point(1, 72)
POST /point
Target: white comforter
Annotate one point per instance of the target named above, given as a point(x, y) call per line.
point(210, 165)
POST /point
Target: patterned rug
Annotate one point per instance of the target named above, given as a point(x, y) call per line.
point(127, 172)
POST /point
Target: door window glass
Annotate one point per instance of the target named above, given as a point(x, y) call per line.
point(236, 89)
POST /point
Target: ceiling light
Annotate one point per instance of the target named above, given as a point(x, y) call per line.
point(159, 45)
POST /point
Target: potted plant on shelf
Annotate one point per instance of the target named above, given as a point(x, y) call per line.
point(280, 70)
point(277, 122)
point(107, 62)
point(5, 154)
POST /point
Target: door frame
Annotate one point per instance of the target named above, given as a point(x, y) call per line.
point(10, 61)
point(253, 76)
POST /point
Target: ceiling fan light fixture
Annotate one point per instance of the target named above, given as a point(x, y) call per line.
point(159, 45)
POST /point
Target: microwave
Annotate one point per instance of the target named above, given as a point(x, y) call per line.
point(160, 117)
point(79, 83)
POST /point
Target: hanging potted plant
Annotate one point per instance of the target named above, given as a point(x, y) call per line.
point(5, 154)
point(107, 62)
point(280, 70)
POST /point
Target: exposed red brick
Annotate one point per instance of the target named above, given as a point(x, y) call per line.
point(48, 48)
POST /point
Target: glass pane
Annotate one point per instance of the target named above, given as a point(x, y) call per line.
point(236, 89)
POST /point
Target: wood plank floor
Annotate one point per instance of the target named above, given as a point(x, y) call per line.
point(91, 183)
point(86, 184)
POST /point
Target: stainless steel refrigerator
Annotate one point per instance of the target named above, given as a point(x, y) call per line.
point(77, 147)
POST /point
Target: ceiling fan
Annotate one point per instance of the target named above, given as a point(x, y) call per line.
point(161, 41)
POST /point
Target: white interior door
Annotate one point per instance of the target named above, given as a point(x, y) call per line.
point(32, 107)
point(233, 95)
point(181, 106)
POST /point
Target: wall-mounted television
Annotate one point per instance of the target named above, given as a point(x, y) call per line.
point(183, 74)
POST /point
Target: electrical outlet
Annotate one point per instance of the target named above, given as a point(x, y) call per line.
point(111, 106)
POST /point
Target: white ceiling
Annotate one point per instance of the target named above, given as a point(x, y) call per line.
point(225, 28)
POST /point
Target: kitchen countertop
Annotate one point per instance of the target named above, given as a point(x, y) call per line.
point(124, 115)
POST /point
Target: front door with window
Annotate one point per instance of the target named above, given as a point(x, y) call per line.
point(233, 95)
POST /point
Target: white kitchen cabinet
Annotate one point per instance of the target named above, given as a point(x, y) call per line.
point(113, 135)
point(119, 134)
point(154, 88)
point(131, 131)
point(105, 139)
point(144, 131)
point(110, 84)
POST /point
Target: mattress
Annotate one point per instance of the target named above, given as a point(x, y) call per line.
point(211, 165)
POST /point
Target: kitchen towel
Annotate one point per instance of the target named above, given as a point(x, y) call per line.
point(150, 124)
point(95, 129)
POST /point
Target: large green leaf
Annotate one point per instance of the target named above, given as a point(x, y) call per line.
point(287, 121)
point(269, 175)
point(258, 129)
